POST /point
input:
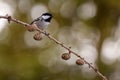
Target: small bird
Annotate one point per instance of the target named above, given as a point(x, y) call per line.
point(43, 21)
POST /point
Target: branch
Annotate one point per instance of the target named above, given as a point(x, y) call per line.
point(28, 26)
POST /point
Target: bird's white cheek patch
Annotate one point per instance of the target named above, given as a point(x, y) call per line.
point(45, 17)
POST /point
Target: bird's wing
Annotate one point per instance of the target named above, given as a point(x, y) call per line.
point(35, 20)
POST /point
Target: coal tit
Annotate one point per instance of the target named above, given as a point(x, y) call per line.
point(43, 21)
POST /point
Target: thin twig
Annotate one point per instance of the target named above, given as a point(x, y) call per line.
point(9, 18)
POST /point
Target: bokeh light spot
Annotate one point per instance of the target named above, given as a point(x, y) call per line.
point(37, 10)
point(67, 9)
point(4, 9)
point(87, 10)
point(110, 51)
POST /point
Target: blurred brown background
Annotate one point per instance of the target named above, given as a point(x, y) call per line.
point(90, 27)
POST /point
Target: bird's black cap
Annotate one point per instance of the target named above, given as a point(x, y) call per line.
point(47, 14)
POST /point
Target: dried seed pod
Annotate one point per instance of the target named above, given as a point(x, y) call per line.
point(66, 56)
point(31, 28)
point(79, 62)
point(38, 36)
